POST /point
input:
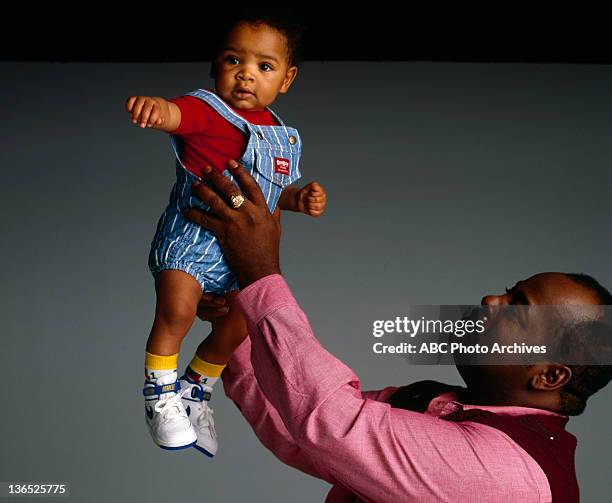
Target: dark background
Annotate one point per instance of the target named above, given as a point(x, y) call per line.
point(339, 31)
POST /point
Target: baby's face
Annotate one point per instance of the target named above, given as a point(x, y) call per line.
point(253, 67)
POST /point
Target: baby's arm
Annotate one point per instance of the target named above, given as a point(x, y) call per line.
point(310, 199)
point(154, 112)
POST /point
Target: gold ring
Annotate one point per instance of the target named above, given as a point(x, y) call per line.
point(237, 201)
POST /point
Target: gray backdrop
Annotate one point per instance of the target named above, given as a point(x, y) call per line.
point(445, 182)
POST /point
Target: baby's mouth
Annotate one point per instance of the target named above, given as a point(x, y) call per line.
point(242, 93)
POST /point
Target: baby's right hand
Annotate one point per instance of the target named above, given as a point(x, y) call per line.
point(145, 110)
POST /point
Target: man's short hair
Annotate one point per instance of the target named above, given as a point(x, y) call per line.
point(587, 379)
point(605, 297)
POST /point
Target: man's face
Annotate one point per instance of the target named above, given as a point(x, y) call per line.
point(531, 326)
point(252, 67)
point(548, 288)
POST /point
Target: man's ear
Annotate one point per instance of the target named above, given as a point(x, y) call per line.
point(289, 78)
point(549, 376)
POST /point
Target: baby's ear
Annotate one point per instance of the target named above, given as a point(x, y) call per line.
point(213, 69)
point(289, 78)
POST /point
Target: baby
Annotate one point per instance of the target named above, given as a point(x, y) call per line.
point(254, 64)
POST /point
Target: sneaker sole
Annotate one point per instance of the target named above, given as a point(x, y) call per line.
point(203, 451)
point(180, 447)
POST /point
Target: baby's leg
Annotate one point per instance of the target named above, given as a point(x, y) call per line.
point(205, 369)
point(227, 334)
point(178, 295)
point(217, 349)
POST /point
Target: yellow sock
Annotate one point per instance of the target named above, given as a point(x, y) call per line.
point(204, 372)
point(158, 365)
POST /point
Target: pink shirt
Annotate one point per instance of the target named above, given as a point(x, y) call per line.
point(305, 405)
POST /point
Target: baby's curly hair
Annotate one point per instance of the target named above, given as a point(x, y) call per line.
point(285, 22)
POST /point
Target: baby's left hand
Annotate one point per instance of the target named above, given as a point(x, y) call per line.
point(312, 199)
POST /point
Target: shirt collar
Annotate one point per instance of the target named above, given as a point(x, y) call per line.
point(447, 403)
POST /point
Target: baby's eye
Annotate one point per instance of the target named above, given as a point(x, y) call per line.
point(232, 60)
point(265, 67)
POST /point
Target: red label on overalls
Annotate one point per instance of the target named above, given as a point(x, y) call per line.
point(281, 165)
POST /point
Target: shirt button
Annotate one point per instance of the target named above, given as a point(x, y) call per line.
point(259, 135)
point(292, 140)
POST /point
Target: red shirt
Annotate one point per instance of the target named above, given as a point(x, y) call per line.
point(208, 138)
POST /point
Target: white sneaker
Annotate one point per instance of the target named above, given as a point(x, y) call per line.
point(195, 400)
point(165, 414)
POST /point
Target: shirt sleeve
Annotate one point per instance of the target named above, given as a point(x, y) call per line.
point(377, 452)
point(241, 386)
point(195, 115)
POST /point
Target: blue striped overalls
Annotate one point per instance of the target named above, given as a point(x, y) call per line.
point(272, 156)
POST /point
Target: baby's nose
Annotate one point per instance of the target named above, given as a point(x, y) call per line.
point(244, 75)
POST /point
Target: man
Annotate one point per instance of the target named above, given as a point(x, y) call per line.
point(500, 439)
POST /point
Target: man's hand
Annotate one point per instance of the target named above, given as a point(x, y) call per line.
point(249, 235)
point(312, 199)
point(212, 307)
